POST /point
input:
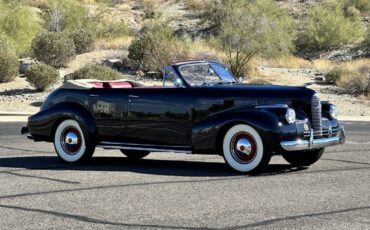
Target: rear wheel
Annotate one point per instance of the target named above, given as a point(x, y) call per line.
point(72, 142)
point(303, 158)
point(243, 149)
point(134, 154)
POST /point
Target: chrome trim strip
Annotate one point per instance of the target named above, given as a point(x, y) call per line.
point(299, 145)
point(146, 145)
point(274, 106)
point(127, 146)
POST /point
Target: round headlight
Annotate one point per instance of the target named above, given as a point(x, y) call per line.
point(290, 115)
point(333, 111)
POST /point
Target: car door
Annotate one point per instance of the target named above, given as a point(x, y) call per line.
point(159, 116)
point(109, 108)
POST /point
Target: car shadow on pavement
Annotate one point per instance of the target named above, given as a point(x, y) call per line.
point(145, 166)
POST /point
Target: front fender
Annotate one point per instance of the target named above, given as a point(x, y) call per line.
point(42, 124)
point(207, 135)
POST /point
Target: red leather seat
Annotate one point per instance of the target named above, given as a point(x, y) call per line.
point(117, 84)
point(96, 84)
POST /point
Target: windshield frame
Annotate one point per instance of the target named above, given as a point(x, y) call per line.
point(179, 67)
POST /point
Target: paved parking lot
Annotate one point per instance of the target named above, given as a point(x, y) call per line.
point(181, 191)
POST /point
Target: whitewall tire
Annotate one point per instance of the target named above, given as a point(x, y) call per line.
point(70, 142)
point(243, 149)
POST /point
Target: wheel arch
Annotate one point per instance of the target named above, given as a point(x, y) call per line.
point(208, 134)
point(44, 123)
point(221, 133)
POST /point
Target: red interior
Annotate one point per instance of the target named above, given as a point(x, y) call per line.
point(96, 84)
point(117, 84)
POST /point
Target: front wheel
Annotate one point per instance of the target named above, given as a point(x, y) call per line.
point(134, 154)
point(72, 142)
point(243, 149)
point(301, 158)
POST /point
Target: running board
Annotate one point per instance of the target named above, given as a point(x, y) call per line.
point(152, 148)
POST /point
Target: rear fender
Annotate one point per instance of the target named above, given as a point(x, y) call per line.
point(42, 125)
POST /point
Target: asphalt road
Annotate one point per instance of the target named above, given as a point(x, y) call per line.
point(181, 191)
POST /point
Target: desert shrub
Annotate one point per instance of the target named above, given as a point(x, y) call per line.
point(83, 40)
point(288, 61)
point(19, 24)
point(258, 81)
point(326, 27)
point(41, 76)
point(334, 75)
point(65, 15)
point(8, 62)
point(356, 82)
point(367, 40)
point(5, 44)
point(156, 47)
point(53, 48)
point(152, 14)
point(98, 72)
point(250, 28)
point(42, 4)
point(107, 29)
point(196, 4)
point(362, 5)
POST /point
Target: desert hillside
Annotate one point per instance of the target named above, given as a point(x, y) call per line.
point(322, 44)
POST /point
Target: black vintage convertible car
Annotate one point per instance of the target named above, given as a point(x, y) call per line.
point(200, 109)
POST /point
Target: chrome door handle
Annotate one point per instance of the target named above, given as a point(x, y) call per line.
point(133, 96)
point(94, 95)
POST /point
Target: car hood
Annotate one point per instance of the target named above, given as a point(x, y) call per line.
point(271, 93)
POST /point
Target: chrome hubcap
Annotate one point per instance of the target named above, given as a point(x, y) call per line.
point(243, 147)
point(71, 140)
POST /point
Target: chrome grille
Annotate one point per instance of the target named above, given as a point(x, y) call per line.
point(316, 114)
point(327, 133)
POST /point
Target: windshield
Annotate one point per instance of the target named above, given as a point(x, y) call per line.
point(206, 74)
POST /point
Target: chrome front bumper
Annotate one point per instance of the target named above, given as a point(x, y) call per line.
point(299, 145)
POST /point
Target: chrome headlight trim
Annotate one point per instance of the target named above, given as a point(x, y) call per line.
point(290, 115)
point(333, 112)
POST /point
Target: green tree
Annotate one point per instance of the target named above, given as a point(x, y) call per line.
point(326, 27)
point(250, 28)
point(157, 47)
point(65, 15)
point(19, 24)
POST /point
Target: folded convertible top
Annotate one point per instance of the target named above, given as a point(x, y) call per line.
point(92, 83)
